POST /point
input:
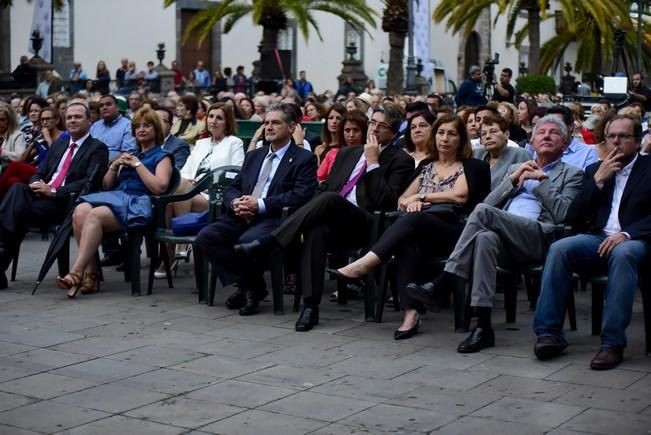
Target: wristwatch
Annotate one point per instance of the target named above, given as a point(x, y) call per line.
point(136, 165)
point(422, 197)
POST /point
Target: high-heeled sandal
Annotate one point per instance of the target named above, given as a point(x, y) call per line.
point(71, 282)
point(90, 283)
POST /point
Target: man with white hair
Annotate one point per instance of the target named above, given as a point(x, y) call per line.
point(516, 223)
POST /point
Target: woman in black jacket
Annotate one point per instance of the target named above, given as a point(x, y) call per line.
point(446, 188)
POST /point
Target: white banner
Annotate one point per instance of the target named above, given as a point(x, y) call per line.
point(422, 19)
point(42, 21)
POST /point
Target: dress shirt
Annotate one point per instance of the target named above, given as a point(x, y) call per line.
point(262, 208)
point(203, 78)
point(621, 177)
point(116, 135)
point(577, 154)
point(79, 142)
point(352, 195)
point(526, 204)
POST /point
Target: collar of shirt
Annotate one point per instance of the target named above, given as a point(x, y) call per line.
point(626, 170)
point(79, 141)
point(113, 122)
point(549, 166)
point(572, 147)
point(280, 153)
point(147, 152)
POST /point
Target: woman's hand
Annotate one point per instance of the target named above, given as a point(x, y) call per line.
point(414, 206)
point(47, 136)
point(129, 160)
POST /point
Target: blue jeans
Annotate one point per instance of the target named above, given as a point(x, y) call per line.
point(579, 254)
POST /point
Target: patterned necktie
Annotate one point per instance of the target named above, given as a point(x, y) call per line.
point(262, 180)
point(353, 181)
point(58, 181)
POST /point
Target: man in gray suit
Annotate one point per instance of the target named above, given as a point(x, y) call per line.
point(516, 222)
point(180, 150)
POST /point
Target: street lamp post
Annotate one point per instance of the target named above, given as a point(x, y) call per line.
point(411, 65)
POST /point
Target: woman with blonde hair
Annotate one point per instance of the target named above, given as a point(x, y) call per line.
point(133, 179)
point(12, 141)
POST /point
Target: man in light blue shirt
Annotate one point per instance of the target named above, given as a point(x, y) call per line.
point(203, 76)
point(113, 129)
point(514, 225)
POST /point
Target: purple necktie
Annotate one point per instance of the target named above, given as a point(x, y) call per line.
point(351, 183)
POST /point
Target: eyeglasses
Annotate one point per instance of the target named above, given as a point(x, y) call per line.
point(378, 124)
point(622, 137)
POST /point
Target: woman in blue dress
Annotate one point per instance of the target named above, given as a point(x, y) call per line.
point(133, 178)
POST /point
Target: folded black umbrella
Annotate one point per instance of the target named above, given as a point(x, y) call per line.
point(62, 235)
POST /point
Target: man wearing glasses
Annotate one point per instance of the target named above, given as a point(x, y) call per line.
point(613, 212)
point(363, 179)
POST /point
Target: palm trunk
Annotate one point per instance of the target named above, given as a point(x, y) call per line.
point(396, 54)
point(533, 17)
point(597, 59)
point(269, 42)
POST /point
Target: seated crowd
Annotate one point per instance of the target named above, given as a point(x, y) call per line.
point(497, 185)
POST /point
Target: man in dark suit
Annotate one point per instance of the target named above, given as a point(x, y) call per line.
point(179, 149)
point(516, 223)
point(614, 213)
point(272, 177)
point(364, 178)
point(46, 199)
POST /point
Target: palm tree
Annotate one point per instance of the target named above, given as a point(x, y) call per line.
point(463, 15)
point(273, 16)
point(594, 35)
point(395, 21)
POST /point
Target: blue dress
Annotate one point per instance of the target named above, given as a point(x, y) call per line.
point(130, 202)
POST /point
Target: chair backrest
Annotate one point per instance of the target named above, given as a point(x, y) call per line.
point(222, 178)
point(175, 180)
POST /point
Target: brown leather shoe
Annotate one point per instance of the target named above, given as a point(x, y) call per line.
point(607, 358)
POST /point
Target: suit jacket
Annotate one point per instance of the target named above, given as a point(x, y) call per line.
point(91, 153)
point(180, 150)
point(591, 209)
point(293, 183)
point(230, 151)
point(555, 193)
point(378, 189)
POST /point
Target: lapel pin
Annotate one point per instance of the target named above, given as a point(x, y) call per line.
point(291, 159)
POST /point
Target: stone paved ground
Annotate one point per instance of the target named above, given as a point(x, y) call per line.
point(162, 364)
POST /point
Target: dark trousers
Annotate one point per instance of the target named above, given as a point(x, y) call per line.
point(412, 238)
point(216, 242)
point(327, 223)
point(20, 209)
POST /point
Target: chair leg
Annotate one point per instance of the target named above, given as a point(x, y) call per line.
point(511, 298)
point(201, 270)
point(278, 281)
point(133, 242)
point(597, 308)
point(14, 265)
point(383, 281)
point(153, 264)
point(213, 287)
point(370, 298)
point(646, 307)
point(63, 259)
point(460, 306)
point(571, 310)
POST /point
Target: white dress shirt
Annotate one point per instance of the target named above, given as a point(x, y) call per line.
point(621, 177)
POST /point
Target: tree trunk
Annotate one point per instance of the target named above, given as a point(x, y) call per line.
point(269, 42)
point(396, 54)
point(533, 17)
point(597, 59)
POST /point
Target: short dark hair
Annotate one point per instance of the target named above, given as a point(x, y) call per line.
point(76, 103)
point(191, 103)
point(509, 71)
point(356, 117)
point(637, 125)
point(394, 117)
point(565, 112)
point(170, 115)
point(495, 120)
point(111, 96)
point(416, 106)
point(288, 110)
point(491, 109)
point(429, 117)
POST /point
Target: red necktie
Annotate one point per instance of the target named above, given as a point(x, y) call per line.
point(58, 181)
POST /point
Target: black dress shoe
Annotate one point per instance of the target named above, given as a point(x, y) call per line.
point(425, 294)
point(334, 273)
point(548, 347)
point(607, 358)
point(479, 339)
point(252, 301)
point(308, 319)
point(403, 335)
point(251, 249)
point(236, 300)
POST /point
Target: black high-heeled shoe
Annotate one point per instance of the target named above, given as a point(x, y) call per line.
point(403, 335)
point(334, 273)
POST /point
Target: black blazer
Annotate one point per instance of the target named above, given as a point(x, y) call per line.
point(293, 183)
point(91, 153)
point(590, 210)
point(478, 177)
point(378, 189)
